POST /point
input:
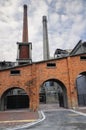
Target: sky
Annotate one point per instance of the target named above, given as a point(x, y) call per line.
point(66, 21)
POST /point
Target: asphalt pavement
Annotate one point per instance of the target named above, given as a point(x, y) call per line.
point(61, 120)
point(49, 117)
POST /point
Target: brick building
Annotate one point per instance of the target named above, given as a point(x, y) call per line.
point(24, 85)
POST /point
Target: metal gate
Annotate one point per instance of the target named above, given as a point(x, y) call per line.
point(81, 89)
point(82, 99)
point(17, 101)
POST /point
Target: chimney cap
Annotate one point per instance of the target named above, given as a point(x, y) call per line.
point(25, 6)
point(44, 18)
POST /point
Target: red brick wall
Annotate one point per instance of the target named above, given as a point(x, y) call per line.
point(24, 52)
point(33, 76)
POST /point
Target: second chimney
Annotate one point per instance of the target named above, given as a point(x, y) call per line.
point(45, 40)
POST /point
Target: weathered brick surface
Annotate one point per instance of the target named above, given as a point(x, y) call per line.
point(33, 76)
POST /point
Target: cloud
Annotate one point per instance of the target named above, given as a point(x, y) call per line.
point(66, 25)
point(74, 7)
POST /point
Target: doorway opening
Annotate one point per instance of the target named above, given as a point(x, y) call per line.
point(81, 88)
point(14, 98)
point(53, 92)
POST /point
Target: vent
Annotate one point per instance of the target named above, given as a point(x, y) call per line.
point(83, 57)
point(15, 72)
point(51, 64)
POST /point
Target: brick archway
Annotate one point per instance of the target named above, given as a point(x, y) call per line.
point(14, 98)
point(61, 92)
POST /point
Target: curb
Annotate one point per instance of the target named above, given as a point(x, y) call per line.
point(80, 113)
point(28, 125)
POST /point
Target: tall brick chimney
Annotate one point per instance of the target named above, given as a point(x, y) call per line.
point(25, 25)
point(24, 47)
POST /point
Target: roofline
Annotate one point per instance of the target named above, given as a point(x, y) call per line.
point(58, 58)
point(28, 64)
point(75, 47)
point(15, 67)
point(78, 54)
point(43, 61)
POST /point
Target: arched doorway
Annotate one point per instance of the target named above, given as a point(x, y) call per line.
point(14, 98)
point(53, 91)
point(81, 88)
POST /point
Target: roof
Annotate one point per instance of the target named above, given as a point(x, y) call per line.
point(80, 48)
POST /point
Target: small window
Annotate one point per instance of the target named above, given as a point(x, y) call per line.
point(51, 64)
point(83, 57)
point(15, 72)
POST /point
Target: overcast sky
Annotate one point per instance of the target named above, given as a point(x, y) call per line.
point(66, 25)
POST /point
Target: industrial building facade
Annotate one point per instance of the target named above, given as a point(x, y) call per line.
point(31, 78)
point(59, 80)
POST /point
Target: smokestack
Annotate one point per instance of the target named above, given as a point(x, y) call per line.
point(24, 47)
point(45, 40)
point(25, 25)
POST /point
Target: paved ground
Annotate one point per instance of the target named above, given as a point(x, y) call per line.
point(10, 119)
point(48, 106)
point(61, 120)
point(18, 117)
point(81, 109)
point(56, 106)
